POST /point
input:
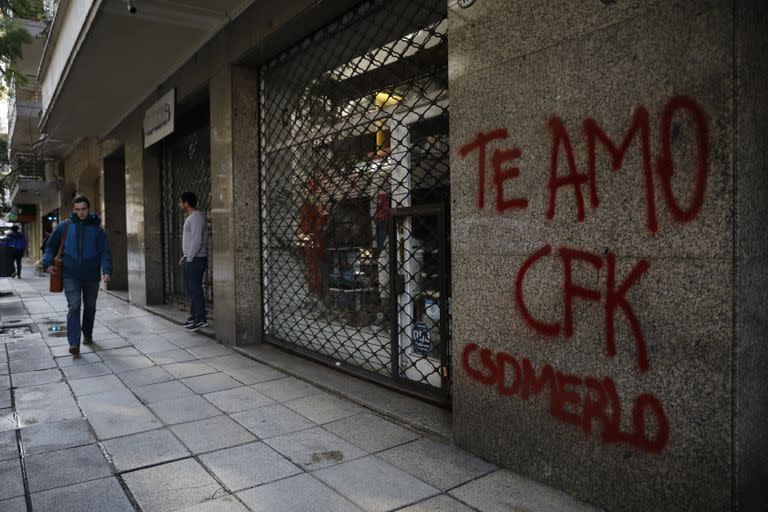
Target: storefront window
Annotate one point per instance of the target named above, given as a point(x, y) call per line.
point(355, 193)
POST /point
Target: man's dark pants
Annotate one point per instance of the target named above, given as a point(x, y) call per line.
point(18, 255)
point(80, 292)
point(193, 279)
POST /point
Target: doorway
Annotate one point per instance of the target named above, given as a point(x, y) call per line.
point(114, 219)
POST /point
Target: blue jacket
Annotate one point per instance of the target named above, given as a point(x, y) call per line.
point(17, 240)
point(86, 250)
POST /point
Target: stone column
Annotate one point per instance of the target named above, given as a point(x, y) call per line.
point(143, 219)
point(235, 211)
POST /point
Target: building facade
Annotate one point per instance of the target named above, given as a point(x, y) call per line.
point(545, 215)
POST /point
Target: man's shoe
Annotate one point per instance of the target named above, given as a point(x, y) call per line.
point(87, 340)
point(197, 325)
point(189, 321)
point(74, 350)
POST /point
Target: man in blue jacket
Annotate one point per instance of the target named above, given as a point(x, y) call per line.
point(85, 256)
point(19, 244)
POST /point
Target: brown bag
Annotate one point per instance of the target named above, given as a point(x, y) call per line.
point(57, 280)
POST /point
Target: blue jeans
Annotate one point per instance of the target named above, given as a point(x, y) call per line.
point(76, 292)
point(193, 280)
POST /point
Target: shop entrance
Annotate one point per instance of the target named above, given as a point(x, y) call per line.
point(114, 219)
point(185, 167)
point(355, 196)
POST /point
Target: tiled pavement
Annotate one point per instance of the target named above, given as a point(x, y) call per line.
point(154, 418)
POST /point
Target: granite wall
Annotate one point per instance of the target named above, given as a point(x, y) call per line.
point(593, 248)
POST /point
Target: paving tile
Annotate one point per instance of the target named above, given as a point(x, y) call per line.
point(249, 465)
point(36, 413)
point(43, 393)
point(153, 344)
point(324, 408)
point(11, 481)
point(144, 376)
point(63, 350)
point(212, 434)
point(162, 392)
point(438, 464)
point(253, 375)
point(121, 421)
point(105, 494)
point(314, 448)
point(227, 503)
point(515, 492)
point(211, 350)
point(30, 365)
point(176, 355)
point(144, 449)
point(8, 445)
point(172, 486)
point(188, 369)
point(63, 362)
point(210, 383)
point(184, 409)
point(238, 399)
point(95, 385)
point(272, 420)
point(108, 341)
point(126, 361)
point(107, 401)
point(5, 381)
point(186, 339)
point(370, 432)
point(233, 361)
point(440, 503)
point(288, 388)
point(300, 493)
point(14, 505)
point(8, 420)
point(48, 437)
point(83, 371)
point(66, 467)
point(375, 485)
point(24, 379)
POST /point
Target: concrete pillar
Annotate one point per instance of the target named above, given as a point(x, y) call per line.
point(235, 210)
point(600, 150)
point(143, 220)
point(751, 315)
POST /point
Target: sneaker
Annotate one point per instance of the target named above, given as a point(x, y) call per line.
point(197, 325)
point(189, 321)
point(87, 340)
point(74, 350)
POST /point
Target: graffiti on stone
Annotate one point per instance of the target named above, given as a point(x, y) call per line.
point(584, 401)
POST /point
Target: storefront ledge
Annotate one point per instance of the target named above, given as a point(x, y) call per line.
point(177, 316)
point(427, 418)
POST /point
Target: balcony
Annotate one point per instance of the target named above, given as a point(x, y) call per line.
point(100, 61)
point(27, 181)
point(24, 102)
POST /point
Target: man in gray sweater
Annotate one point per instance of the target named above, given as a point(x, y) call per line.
point(195, 260)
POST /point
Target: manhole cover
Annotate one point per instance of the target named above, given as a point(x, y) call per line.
point(59, 334)
point(15, 332)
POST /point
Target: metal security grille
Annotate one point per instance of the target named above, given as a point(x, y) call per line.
point(186, 166)
point(355, 194)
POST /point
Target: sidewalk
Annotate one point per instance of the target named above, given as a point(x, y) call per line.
point(154, 418)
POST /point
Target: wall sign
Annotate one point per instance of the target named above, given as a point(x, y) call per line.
point(159, 119)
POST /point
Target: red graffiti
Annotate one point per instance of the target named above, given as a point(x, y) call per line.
point(573, 400)
point(573, 180)
point(615, 297)
point(481, 145)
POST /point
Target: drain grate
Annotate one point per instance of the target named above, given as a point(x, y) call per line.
point(16, 331)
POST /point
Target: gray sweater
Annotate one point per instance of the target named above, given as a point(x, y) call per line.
point(195, 237)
